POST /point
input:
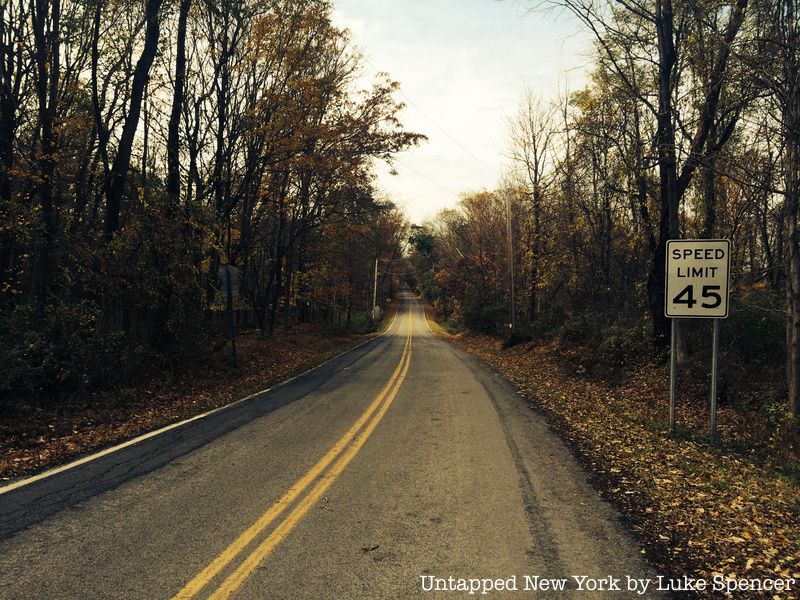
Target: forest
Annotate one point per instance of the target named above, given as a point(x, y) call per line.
point(688, 127)
point(146, 144)
point(149, 149)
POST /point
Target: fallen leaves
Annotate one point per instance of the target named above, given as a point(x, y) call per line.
point(35, 438)
point(697, 510)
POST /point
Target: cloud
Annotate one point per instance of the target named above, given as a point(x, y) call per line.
point(462, 66)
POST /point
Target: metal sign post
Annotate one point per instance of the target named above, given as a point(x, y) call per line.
point(714, 361)
point(673, 374)
point(229, 278)
point(697, 282)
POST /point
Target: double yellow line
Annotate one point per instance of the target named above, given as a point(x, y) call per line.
point(337, 458)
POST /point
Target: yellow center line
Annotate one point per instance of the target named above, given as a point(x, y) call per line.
point(235, 580)
point(388, 393)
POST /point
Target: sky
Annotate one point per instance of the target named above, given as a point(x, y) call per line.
point(462, 66)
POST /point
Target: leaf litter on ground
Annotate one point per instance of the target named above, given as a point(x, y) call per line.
point(697, 510)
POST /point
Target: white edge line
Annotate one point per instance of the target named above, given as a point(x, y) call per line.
point(150, 434)
point(427, 324)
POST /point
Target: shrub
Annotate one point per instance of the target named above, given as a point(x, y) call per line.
point(616, 348)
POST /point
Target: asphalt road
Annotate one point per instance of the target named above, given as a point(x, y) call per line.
point(400, 460)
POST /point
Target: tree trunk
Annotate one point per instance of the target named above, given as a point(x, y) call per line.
point(276, 293)
point(173, 184)
point(667, 170)
point(10, 59)
point(8, 107)
point(102, 131)
point(533, 300)
point(47, 45)
point(287, 298)
point(792, 248)
point(119, 170)
point(792, 272)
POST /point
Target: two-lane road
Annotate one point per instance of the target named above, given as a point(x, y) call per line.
point(401, 459)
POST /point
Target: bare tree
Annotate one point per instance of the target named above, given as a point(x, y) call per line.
point(532, 149)
point(118, 174)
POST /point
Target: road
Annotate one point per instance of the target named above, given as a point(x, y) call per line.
point(402, 459)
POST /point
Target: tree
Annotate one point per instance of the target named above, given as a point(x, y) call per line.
point(532, 148)
point(118, 174)
point(777, 69)
point(625, 31)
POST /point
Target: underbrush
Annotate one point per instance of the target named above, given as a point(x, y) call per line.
point(753, 416)
point(69, 354)
point(33, 436)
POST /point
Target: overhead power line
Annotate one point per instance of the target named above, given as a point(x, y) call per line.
point(435, 124)
point(436, 183)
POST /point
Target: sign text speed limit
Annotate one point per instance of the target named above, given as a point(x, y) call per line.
point(698, 274)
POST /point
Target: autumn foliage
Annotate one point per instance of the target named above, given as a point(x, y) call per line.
point(684, 129)
point(145, 144)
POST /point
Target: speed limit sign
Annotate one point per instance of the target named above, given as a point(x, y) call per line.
point(698, 277)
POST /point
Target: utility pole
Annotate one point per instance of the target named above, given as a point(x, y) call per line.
point(510, 263)
point(375, 289)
